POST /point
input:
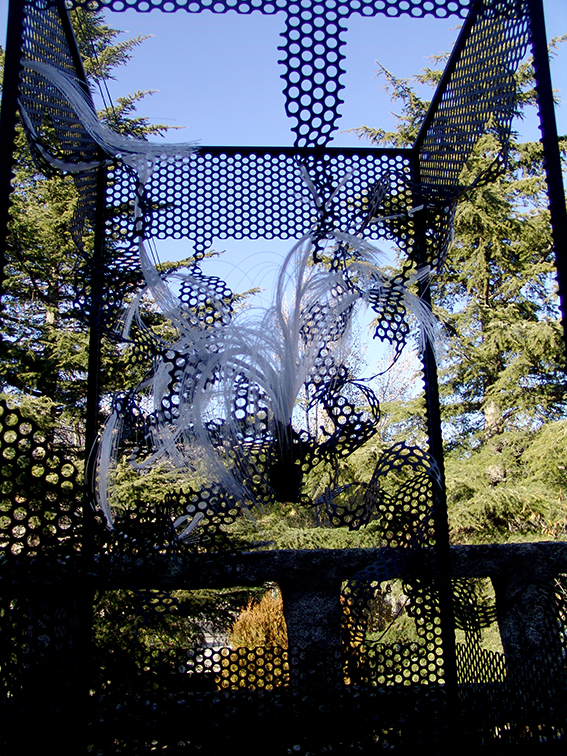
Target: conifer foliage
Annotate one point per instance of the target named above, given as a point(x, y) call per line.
point(503, 381)
point(44, 341)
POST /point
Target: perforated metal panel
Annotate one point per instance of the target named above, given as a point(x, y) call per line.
point(313, 38)
point(479, 98)
point(40, 496)
point(383, 684)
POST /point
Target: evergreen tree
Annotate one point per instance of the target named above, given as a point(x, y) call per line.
point(503, 381)
point(44, 346)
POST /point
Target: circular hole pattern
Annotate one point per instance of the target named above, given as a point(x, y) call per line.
point(39, 506)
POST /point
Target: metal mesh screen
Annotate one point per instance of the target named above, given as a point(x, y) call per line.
point(56, 128)
point(386, 682)
point(49, 112)
point(479, 98)
point(312, 49)
point(40, 499)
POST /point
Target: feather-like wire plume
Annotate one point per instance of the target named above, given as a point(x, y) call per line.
point(137, 153)
point(236, 393)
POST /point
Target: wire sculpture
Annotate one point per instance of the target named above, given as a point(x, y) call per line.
point(225, 390)
point(136, 153)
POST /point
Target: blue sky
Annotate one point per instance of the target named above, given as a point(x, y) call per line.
point(224, 84)
point(218, 76)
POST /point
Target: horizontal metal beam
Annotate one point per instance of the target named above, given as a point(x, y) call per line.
point(311, 566)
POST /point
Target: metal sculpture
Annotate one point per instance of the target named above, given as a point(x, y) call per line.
point(225, 391)
point(218, 404)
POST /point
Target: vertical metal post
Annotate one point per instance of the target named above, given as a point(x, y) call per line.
point(551, 154)
point(8, 120)
point(87, 596)
point(73, 48)
point(93, 380)
point(440, 519)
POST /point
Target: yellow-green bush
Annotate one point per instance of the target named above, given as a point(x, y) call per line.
point(260, 623)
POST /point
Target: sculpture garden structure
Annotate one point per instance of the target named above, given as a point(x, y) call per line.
point(216, 406)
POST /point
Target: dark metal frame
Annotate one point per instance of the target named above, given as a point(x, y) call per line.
point(311, 149)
